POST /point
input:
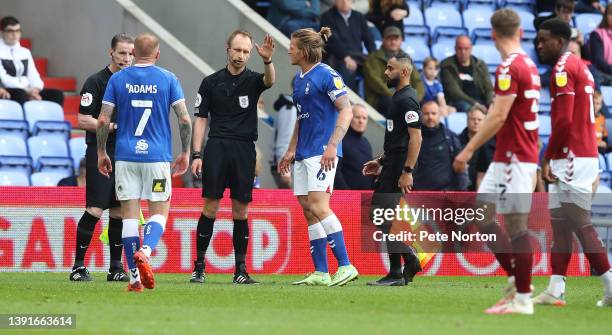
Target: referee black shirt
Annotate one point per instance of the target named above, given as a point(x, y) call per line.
point(403, 113)
point(91, 102)
point(230, 102)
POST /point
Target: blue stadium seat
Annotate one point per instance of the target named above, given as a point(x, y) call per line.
point(77, 150)
point(13, 146)
point(482, 36)
point(609, 160)
point(442, 50)
point(11, 119)
point(492, 4)
point(417, 51)
point(46, 178)
point(545, 127)
point(375, 32)
point(488, 54)
point(46, 116)
point(46, 146)
point(526, 20)
point(604, 207)
point(606, 93)
point(525, 5)
point(605, 178)
point(454, 4)
point(14, 178)
point(16, 163)
point(442, 16)
point(544, 96)
point(530, 51)
point(456, 122)
point(477, 17)
point(420, 33)
point(529, 36)
point(447, 34)
point(587, 22)
point(416, 15)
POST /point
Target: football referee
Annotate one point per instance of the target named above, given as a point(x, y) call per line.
point(100, 191)
point(229, 98)
point(401, 150)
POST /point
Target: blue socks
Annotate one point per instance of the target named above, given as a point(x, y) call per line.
point(318, 247)
point(131, 244)
point(335, 237)
point(152, 233)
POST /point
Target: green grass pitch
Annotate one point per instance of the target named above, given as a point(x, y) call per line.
point(430, 305)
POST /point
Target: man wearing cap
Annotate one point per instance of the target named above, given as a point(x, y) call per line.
point(378, 94)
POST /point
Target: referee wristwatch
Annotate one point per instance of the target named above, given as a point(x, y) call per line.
point(408, 169)
point(196, 155)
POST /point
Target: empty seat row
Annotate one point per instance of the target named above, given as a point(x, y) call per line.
point(36, 117)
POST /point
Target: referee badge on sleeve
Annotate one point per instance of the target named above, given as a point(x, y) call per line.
point(411, 117)
point(561, 79)
point(198, 101)
point(86, 99)
point(504, 81)
point(243, 101)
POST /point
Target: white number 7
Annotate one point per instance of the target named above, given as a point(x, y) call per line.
point(147, 105)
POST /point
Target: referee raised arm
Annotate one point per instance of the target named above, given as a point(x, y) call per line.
point(100, 191)
point(229, 97)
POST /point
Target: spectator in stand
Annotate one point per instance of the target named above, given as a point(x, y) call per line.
point(344, 49)
point(465, 78)
point(598, 77)
point(479, 163)
point(79, 180)
point(589, 6)
point(434, 169)
point(283, 130)
point(291, 15)
point(564, 10)
point(433, 89)
point(355, 153)
point(18, 72)
point(600, 45)
point(601, 131)
point(378, 94)
point(386, 13)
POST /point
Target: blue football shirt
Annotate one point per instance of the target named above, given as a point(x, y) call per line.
point(314, 95)
point(142, 96)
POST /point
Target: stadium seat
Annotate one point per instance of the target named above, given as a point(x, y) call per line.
point(442, 16)
point(605, 178)
point(416, 33)
point(545, 128)
point(14, 178)
point(609, 160)
point(531, 52)
point(417, 51)
point(456, 122)
point(453, 4)
point(488, 54)
point(375, 32)
point(480, 3)
point(46, 146)
point(447, 34)
point(443, 50)
point(12, 146)
point(526, 20)
point(11, 119)
point(544, 96)
point(77, 150)
point(46, 178)
point(524, 5)
point(606, 93)
point(482, 36)
point(16, 163)
point(587, 22)
point(529, 36)
point(602, 208)
point(46, 116)
point(416, 15)
point(477, 17)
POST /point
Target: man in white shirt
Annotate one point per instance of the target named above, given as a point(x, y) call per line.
point(18, 72)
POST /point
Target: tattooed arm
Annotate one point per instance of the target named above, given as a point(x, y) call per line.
point(343, 105)
point(104, 163)
point(181, 164)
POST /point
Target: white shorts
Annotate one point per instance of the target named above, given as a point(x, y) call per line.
point(309, 177)
point(146, 181)
point(575, 181)
point(509, 186)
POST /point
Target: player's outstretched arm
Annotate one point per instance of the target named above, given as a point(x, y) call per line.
point(493, 122)
point(197, 141)
point(343, 105)
point(181, 164)
point(104, 163)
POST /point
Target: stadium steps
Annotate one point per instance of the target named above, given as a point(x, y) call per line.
point(41, 65)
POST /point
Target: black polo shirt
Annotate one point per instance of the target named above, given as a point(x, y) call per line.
point(91, 102)
point(403, 113)
point(230, 103)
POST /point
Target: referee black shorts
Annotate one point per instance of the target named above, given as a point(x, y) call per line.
point(228, 163)
point(386, 192)
point(100, 191)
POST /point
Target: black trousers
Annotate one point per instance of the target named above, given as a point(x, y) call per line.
point(49, 94)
